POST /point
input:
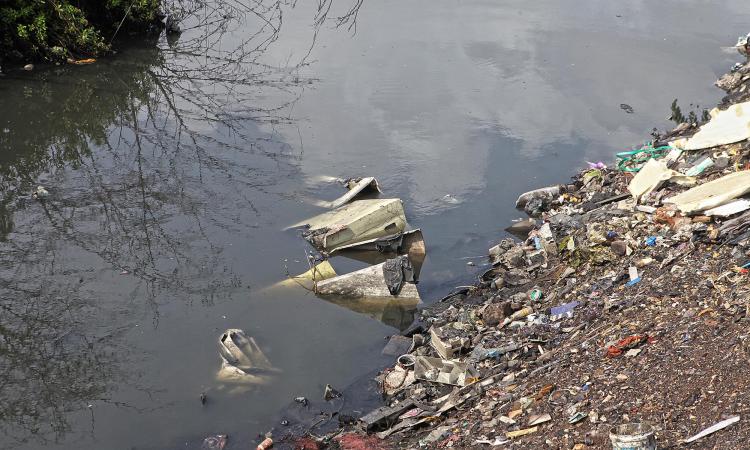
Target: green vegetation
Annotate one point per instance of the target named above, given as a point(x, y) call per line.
point(54, 30)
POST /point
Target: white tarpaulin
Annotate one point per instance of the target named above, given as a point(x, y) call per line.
point(712, 194)
point(725, 127)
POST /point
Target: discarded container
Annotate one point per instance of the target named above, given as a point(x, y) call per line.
point(700, 167)
point(444, 371)
point(365, 283)
point(712, 194)
point(242, 360)
point(407, 243)
point(447, 347)
point(725, 127)
point(520, 314)
point(266, 444)
point(406, 361)
point(356, 222)
point(633, 436)
point(543, 193)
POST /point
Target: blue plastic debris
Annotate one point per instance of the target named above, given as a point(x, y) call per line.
point(651, 241)
point(564, 310)
point(633, 282)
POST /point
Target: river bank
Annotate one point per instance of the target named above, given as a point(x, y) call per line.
point(70, 32)
point(624, 302)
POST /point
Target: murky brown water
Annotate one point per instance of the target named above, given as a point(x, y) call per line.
point(168, 196)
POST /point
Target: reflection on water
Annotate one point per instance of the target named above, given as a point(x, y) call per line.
point(396, 313)
point(171, 175)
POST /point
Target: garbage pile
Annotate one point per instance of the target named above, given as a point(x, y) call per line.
point(620, 318)
point(373, 230)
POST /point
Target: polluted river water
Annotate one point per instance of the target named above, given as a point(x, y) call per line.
point(171, 182)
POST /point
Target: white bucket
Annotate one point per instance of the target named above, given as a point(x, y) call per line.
point(633, 436)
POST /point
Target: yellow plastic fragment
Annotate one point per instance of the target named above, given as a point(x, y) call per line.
point(519, 433)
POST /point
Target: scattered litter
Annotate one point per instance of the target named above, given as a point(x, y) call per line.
point(562, 311)
point(577, 417)
point(448, 346)
point(242, 360)
point(443, 371)
point(713, 429)
point(216, 442)
point(700, 167)
point(385, 416)
point(627, 343)
point(40, 193)
point(497, 441)
point(519, 433)
point(81, 62)
point(599, 165)
point(330, 393)
point(503, 356)
point(406, 361)
point(538, 419)
point(543, 193)
point(266, 444)
point(633, 436)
